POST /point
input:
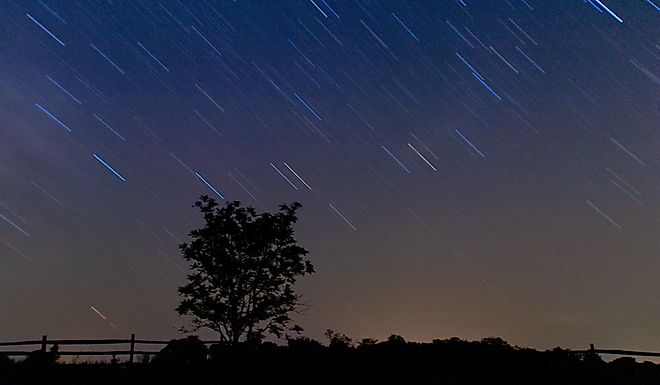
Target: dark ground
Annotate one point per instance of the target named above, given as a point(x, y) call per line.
point(305, 361)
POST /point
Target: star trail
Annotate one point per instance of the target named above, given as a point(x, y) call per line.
point(468, 168)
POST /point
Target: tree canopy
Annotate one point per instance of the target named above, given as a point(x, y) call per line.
point(244, 266)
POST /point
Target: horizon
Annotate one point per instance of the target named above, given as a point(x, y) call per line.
point(465, 169)
point(96, 351)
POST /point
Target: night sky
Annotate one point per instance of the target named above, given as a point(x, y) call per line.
point(466, 168)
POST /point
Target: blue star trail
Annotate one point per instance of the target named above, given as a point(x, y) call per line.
point(103, 162)
point(209, 185)
point(57, 39)
point(52, 117)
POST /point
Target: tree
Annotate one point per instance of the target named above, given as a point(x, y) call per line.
point(338, 341)
point(396, 339)
point(244, 265)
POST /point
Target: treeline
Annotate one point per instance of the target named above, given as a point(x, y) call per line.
point(341, 361)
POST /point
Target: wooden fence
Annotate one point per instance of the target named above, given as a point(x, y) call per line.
point(617, 352)
point(44, 343)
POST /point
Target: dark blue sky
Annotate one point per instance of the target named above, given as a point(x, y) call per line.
point(468, 168)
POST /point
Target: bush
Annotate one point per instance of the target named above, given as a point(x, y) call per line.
point(5, 361)
point(182, 352)
point(367, 342)
point(303, 344)
point(40, 358)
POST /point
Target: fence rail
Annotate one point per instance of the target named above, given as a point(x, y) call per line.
point(617, 352)
point(44, 342)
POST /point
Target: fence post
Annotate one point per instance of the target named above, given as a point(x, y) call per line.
point(44, 340)
point(591, 347)
point(130, 357)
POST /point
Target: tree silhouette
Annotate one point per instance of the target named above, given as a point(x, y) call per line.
point(244, 267)
point(338, 341)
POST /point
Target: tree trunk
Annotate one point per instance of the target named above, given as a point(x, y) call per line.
point(236, 335)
